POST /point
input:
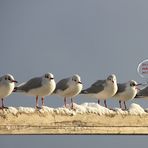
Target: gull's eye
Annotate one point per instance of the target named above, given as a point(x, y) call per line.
point(9, 78)
point(46, 76)
point(5, 78)
point(132, 84)
point(74, 80)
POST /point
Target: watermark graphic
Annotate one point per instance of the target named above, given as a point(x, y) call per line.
point(143, 69)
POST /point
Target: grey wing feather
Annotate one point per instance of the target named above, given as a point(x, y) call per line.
point(143, 92)
point(62, 84)
point(121, 87)
point(31, 84)
point(96, 87)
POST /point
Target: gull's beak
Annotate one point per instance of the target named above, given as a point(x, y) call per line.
point(80, 82)
point(138, 87)
point(139, 84)
point(14, 81)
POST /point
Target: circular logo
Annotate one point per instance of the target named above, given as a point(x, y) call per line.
point(143, 69)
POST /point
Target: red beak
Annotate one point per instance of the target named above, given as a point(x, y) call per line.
point(14, 81)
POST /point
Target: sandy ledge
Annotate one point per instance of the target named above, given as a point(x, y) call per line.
point(87, 118)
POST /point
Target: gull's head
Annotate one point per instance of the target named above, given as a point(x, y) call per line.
point(48, 76)
point(76, 79)
point(112, 79)
point(133, 84)
point(8, 78)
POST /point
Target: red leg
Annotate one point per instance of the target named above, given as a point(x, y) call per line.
point(105, 103)
point(125, 105)
point(42, 101)
point(65, 101)
point(2, 103)
point(98, 101)
point(71, 103)
point(37, 102)
point(120, 104)
point(3, 106)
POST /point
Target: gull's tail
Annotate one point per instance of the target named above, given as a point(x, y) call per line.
point(16, 89)
point(84, 92)
point(138, 96)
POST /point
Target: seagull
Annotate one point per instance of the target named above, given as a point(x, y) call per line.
point(69, 88)
point(143, 93)
point(126, 91)
point(7, 84)
point(102, 89)
point(38, 87)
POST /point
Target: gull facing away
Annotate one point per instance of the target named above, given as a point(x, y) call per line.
point(69, 88)
point(143, 93)
point(126, 91)
point(102, 89)
point(38, 87)
point(7, 84)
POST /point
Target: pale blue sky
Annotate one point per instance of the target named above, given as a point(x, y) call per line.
point(93, 38)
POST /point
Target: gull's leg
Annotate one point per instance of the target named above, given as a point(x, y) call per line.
point(71, 103)
point(42, 101)
point(120, 104)
point(98, 101)
point(37, 106)
point(105, 103)
point(65, 102)
point(125, 105)
point(3, 106)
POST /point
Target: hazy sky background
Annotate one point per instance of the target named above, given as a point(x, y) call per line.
point(93, 38)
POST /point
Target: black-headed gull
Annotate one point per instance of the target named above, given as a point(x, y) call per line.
point(126, 91)
point(7, 84)
point(102, 89)
point(38, 87)
point(69, 88)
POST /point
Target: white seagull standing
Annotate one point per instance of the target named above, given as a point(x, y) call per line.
point(38, 87)
point(102, 89)
point(126, 91)
point(7, 84)
point(69, 88)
